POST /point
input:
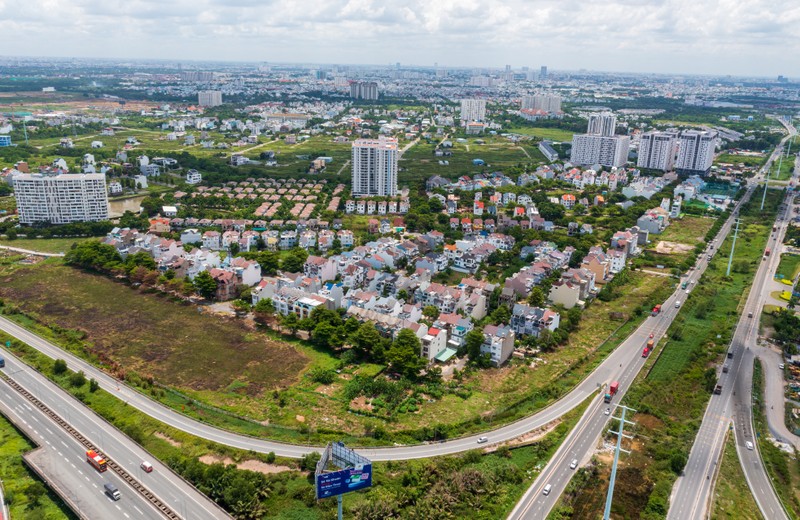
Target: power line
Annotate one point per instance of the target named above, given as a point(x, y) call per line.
point(619, 433)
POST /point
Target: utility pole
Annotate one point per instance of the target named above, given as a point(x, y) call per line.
point(25, 130)
point(733, 246)
point(766, 183)
point(619, 433)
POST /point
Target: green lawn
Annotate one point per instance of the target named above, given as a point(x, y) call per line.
point(24, 491)
point(789, 266)
point(786, 168)
point(733, 499)
point(45, 245)
point(553, 134)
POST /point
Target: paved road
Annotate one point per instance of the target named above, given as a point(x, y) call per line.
point(61, 460)
point(179, 495)
point(29, 252)
point(581, 442)
point(774, 396)
point(692, 490)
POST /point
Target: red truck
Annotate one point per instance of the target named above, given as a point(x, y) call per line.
point(767, 252)
point(96, 460)
point(656, 309)
point(612, 390)
point(648, 348)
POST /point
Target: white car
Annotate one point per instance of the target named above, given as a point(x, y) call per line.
point(547, 489)
point(483, 439)
point(749, 445)
point(607, 412)
point(574, 464)
point(781, 366)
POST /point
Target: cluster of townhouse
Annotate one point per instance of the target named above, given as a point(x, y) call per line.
point(582, 179)
point(231, 273)
point(377, 207)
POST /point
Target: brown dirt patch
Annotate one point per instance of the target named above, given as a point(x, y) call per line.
point(360, 403)
point(672, 248)
point(167, 439)
point(250, 464)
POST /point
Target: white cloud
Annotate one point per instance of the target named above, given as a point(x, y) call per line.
point(715, 36)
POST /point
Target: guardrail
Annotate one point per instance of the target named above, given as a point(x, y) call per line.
point(119, 470)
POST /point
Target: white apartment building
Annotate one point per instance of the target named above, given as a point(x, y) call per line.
point(364, 90)
point(599, 145)
point(547, 102)
point(596, 149)
point(696, 152)
point(657, 150)
point(209, 98)
point(61, 199)
point(193, 177)
point(374, 163)
point(473, 110)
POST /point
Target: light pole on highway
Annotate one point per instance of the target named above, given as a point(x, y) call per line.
point(766, 183)
point(619, 433)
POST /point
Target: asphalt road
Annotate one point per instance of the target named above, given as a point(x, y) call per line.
point(178, 494)
point(692, 490)
point(61, 459)
point(581, 442)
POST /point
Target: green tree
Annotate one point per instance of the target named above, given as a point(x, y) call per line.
point(326, 335)
point(294, 261)
point(94, 255)
point(365, 338)
point(204, 284)
point(473, 342)
point(291, 322)
point(404, 354)
point(59, 366)
point(536, 297)
point(430, 311)
point(263, 310)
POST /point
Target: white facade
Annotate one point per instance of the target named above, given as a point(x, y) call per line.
point(209, 98)
point(374, 163)
point(657, 150)
point(607, 151)
point(473, 110)
point(696, 151)
point(546, 102)
point(193, 177)
point(61, 199)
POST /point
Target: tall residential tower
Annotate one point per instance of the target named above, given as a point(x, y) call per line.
point(375, 167)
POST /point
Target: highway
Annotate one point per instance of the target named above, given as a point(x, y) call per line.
point(692, 490)
point(581, 442)
point(61, 460)
point(177, 494)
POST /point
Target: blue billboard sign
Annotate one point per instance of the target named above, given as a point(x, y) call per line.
point(344, 481)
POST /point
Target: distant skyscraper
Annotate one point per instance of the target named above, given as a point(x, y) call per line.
point(61, 199)
point(546, 102)
point(375, 167)
point(473, 110)
point(657, 150)
point(481, 81)
point(696, 152)
point(543, 72)
point(209, 98)
point(599, 145)
point(364, 90)
point(198, 76)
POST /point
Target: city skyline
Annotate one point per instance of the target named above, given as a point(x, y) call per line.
point(729, 37)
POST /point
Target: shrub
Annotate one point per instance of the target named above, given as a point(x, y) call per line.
point(59, 367)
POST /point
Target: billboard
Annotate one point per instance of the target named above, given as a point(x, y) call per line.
point(344, 481)
point(353, 472)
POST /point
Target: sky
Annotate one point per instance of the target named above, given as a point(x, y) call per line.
point(737, 37)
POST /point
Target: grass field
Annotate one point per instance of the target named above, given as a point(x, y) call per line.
point(733, 499)
point(688, 230)
point(151, 335)
point(27, 495)
point(553, 134)
point(789, 266)
point(497, 152)
point(45, 245)
point(747, 160)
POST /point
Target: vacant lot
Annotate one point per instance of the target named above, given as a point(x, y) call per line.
point(554, 134)
point(747, 160)
point(152, 335)
point(689, 230)
point(44, 245)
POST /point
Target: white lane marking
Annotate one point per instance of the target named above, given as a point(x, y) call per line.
point(126, 515)
point(65, 444)
point(140, 511)
point(115, 505)
point(95, 485)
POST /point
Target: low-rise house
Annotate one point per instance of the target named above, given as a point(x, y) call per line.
point(433, 343)
point(319, 267)
point(565, 293)
point(531, 321)
point(498, 342)
point(191, 236)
